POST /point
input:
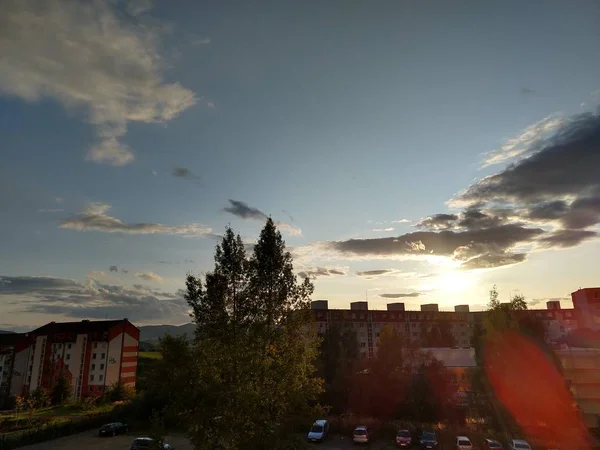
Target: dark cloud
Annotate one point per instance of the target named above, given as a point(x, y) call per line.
point(438, 222)
point(241, 209)
point(566, 164)
point(185, 173)
point(548, 210)
point(438, 243)
point(473, 218)
point(244, 211)
point(374, 273)
point(320, 272)
point(567, 238)
point(113, 269)
point(489, 260)
point(409, 295)
point(92, 299)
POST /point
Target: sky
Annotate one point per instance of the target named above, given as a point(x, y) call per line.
point(409, 151)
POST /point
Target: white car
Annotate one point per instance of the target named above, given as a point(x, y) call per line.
point(361, 435)
point(519, 444)
point(463, 443)
point(319, 431)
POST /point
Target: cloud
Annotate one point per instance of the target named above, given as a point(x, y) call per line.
point(86, 57)
point(409, 295)
point(244, 211)
point(58, 200)
point(376, 273)
point(92, 299)
point(527, 91)
point(113, 269)
point(388, 229)
point(211, 105)
point(488, 261)
point(185, 173)
point(526, 141)
point(201, 41)
point(438, 222)
point(401, 221)
point(50, 210)
point(95, 218)
point(316, 272)
point(537, 301)
point(149, 276)
point(567, 238)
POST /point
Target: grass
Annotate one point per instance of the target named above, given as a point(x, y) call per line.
point(150, 355)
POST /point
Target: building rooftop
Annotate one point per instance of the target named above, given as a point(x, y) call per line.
point(454, 357)
point(83, 326)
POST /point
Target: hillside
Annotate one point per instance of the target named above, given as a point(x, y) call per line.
point(152, 333)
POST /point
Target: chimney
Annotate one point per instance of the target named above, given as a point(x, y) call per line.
point(319, 304)
point(461, 308)
point(430, 307)
point(362, 306)
point(395, 306)
point(553, 304)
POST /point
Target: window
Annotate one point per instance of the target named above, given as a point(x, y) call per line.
point(95, 345)
point(362, 344)
point(100, 388)
point(414, 335)
point(414, 325)
point(93, 366)
point(68, 356)
point(376, 334)
point(93, 356)
point(92, 377)
point(103, 356)
point(361, 325)
point(100, 377)
point(68, 345)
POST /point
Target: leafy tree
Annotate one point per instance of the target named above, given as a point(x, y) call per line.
point(39, 398)
point(438, 335)
point(118, 391)
point(338, 358)
point(61, 391)
point(252, 361)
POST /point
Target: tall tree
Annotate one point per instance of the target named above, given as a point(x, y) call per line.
point(255, 346)
point(61, 390)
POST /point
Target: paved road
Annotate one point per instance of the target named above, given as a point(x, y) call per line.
point(89, 441)
point(345, 442)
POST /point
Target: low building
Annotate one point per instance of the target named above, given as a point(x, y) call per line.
point(460, 362)
point(91, 354)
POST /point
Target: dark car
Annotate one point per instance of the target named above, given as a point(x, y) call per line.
point(147, 443)
point(403, 439)
point(429, 440)
point(492, 444)
point(112, 429)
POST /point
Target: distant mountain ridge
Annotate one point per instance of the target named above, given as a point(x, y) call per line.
point(152, 333)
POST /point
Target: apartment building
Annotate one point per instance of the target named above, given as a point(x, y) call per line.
point(581, 369)
point(415, 324)
point(92, 354)
point(587, 300)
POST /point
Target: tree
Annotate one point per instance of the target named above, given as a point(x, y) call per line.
point(255, 347)
point(439, 335)
point(118, 392)
point(61, 391)
point(39, 398)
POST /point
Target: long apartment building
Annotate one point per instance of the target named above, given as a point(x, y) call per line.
point(368, 323)
point(92, 354)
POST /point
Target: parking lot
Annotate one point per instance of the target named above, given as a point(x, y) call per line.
point(336, 442)
point(89, 440)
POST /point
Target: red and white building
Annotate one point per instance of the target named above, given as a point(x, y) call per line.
point(92, 354)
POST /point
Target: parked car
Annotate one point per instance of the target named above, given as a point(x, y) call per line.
point(319, 431)
point(519, 444)
point(361, 435)
point(492, 444)
point(147, 443)
point(429, 440)
point(463, 443)
point(403, 438)
point(112, 429)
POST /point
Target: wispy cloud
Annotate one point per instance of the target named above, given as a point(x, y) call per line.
point(50, 210)
point(526, 141)
point(387, 230)
point(409, 295)
point(315, 272)
point(186, 174)
point(95, 218)
point(201, 40)
point(244, 211)
point(149, 276)
point(86, 57)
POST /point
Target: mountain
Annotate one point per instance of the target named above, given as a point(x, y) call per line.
point(150, 333)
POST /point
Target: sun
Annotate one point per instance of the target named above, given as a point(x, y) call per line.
point(454, 281)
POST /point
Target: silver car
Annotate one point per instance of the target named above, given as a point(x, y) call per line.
point(147, 443)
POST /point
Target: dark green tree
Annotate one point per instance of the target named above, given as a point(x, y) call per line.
point(61, 391)
point(255, 347)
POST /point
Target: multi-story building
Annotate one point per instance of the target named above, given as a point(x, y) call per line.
point(414, 325)
point(7, 344)
point(581, 369)
point(587, 300)
point(92, 354)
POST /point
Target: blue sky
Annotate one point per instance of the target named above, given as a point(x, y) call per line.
point(127, 128)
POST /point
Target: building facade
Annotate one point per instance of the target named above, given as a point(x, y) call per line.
point(414, 325)
point(587, 300)
point(91, 354)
